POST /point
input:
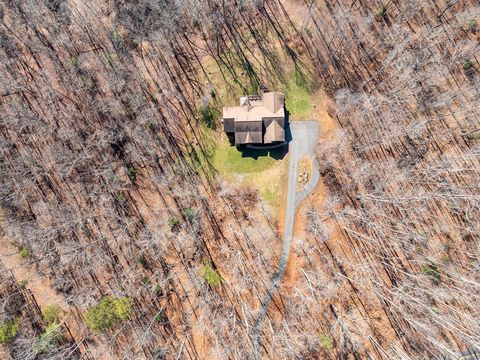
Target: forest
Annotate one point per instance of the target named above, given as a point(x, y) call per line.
point(121, 238)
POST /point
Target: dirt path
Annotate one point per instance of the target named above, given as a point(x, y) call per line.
point(303, 143)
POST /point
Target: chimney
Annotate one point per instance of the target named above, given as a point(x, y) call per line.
point(262, 89)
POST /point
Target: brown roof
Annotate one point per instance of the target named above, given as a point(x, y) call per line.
point(273, 101)
point(248, 132)
point(274, 132)
point(229, 125)
point(245, 126)
point(252, 113)
point(271, 105)
point(248, 137)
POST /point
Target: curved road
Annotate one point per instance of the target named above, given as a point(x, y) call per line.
point(304, 142)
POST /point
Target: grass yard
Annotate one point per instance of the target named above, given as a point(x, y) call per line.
point(297, 99)
point(229, 160)
point(266, 171)
point(272, 185)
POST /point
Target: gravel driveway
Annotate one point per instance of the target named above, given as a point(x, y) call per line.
point(304, 142)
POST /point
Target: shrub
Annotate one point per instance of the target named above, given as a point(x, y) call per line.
point(210, 276)
point(160, 316)
point(117, 36)
point(108, 313)
point(432, 270)
point(189, 213)
point(132, 173)
point(23, 284)
point(472, 136)
point(123, 308)
point(102, 316)
point(173, 222)
point(207, 115)
point(473, 25)
point(24, 252)
point(74, 61)
point(49, 339)
point(154, 99)
point(120, 196)
point(381, 12)
point(111, 57)
point(51, 313)
point(87, 83)
point(326, 341)
point(156, 289)
point(467, 65)
point(8, 330)
point(142, 260)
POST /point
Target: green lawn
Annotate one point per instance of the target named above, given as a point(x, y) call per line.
point(266, 171)
point(229, 160)
point(297, 99)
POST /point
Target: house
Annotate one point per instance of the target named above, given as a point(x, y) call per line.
point(260, 119)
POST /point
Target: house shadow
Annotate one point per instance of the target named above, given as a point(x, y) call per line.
point(275, 151)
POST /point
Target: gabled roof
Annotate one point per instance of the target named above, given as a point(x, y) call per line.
point(258, 119)
point(274, 132)
point(271, 105)
point(248, 132)
point(248, 137)
point(273, 101)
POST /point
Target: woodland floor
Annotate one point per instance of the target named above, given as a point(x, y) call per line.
point(118, 187)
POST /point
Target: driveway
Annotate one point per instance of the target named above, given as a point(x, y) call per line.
point(304, 142)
